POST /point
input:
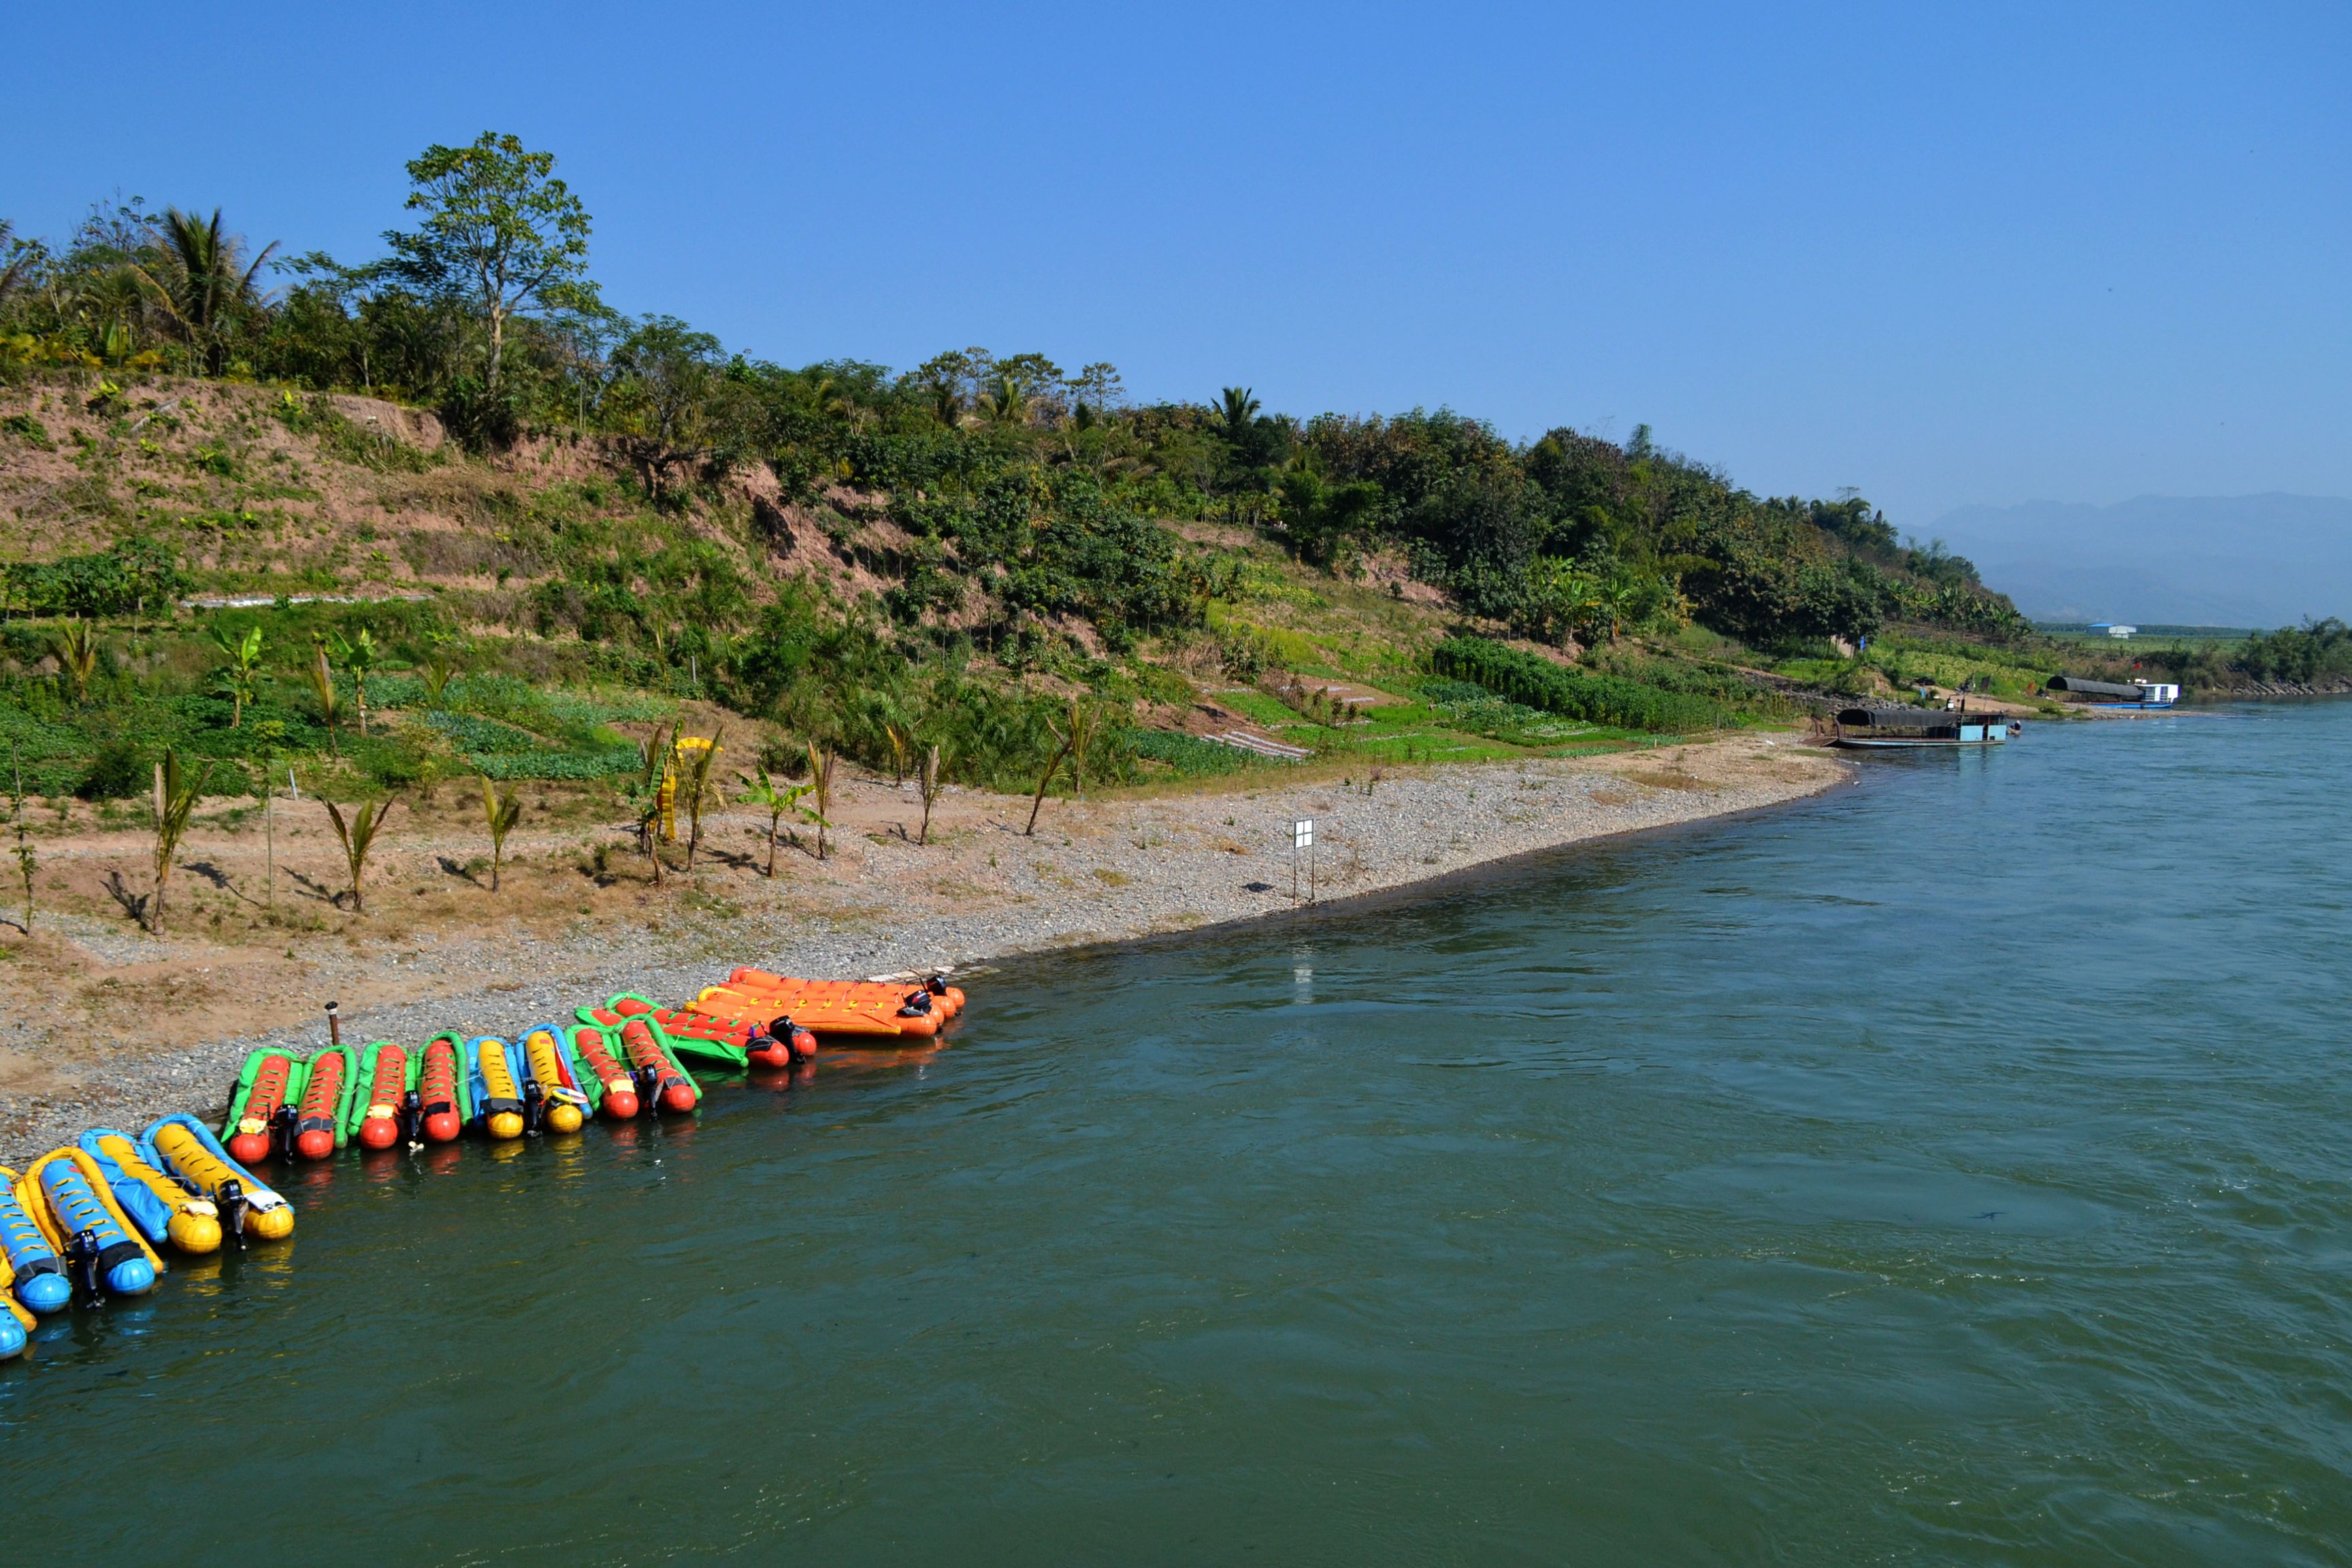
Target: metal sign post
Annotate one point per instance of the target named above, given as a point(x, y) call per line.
point(1302, 837)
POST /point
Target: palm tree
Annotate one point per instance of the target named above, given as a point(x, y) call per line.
point(199, 278)
point(75, 648)
point(1009, 403)
point(1235, 411)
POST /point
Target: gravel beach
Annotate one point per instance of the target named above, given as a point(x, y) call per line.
point(99, 1033)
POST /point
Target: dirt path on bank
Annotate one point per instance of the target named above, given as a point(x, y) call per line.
point(107, 1025)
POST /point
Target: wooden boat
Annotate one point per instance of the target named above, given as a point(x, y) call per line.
point(1874, 728)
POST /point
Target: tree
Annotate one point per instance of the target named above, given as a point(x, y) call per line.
point(197, 276)
point(358, 836)
point(1235, 412)
point(501, 810)
point(237, 679)
point(501, 235)
point(1053, 766)
point(175, 800)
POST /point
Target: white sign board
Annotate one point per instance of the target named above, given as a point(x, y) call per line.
point(1302, 832)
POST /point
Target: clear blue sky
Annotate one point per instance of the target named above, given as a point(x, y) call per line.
point(1941, 253)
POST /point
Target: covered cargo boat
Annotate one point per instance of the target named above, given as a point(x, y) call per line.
point(1873, 727)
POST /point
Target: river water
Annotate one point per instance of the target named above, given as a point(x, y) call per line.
point(1950, 1169)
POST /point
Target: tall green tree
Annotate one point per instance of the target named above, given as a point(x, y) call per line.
point(501, 232)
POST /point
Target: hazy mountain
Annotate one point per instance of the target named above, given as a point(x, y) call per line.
point(2230, 561)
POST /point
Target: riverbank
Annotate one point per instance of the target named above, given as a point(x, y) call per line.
point(106, 1025)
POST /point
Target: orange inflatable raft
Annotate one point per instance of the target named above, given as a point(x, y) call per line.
point(874, 1009)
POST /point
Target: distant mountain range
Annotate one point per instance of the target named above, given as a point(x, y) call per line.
point(2232, 560)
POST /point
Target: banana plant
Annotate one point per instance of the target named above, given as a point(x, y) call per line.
point(779, 801)
point(175, 800)
point(240, 678)
point(359, 657)
point(323, 686)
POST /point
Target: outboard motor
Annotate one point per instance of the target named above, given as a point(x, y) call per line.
point(935, 984)
point(83, 1252)
point(412, 1119)
point(288, 1125)
point(534, 1108)
point(232, 1204)
point(918, 1004)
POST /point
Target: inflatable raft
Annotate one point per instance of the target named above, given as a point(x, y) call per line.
point(444, 1089)
point(66, 1195)
point(495, 1088)
point(268, 1084)
point(381, 1093)
point(162, 1209)
point(553, 1098)
point(329, 1080)
point(871, 1010)
point(184, 1148)
point(37, 1274)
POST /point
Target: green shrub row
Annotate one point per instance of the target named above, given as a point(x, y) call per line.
point(1191, 755)
point(1601, 699)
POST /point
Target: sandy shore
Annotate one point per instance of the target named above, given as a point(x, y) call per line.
point(108, 1025)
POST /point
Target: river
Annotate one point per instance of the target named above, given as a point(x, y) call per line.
point(1954, 1168)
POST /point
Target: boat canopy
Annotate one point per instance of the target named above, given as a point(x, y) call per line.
point(1911, 721)
point(2133, 693)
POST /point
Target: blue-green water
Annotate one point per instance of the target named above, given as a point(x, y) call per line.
point(1956, 1168)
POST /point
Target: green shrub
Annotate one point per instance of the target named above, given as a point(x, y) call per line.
point(1601, 699)
point(117, 771)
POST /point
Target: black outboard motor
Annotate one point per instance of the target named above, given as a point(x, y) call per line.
point(233, 1204)
point(935, 984)
point(412, 1119)
point(288, 1125)
point(83, 1252)
point(648, 1082)
point(534, 1108)
point(918, 1004)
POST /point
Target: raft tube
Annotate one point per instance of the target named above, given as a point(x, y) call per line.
point(444, 1088)
point(600, 1067)
point(76, 1209)
point(386, 1077)
point(497, 1089)
point(38, 1278)
point(161, 1208)
point(544, 1064)
point(184, 1148)
point(270, 1080)
point(329, 1080)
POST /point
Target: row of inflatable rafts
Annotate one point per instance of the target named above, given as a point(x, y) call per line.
point(95, 1220)
point(867, 1010)
point(617, 1061)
